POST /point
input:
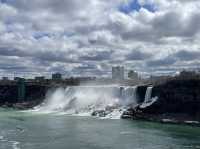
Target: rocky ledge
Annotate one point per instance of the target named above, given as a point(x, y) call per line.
point(177, 101)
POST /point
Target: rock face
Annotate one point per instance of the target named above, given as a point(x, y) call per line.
point(178, 96)
point(177, 99)
point(141, 91)
point(9, 96)
point(8, 93)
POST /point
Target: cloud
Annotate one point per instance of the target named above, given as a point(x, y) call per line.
point(97, 56)
point(185, 55)
point(138, 55)
point(168, 61)
point(7, 11)
point(92, 35)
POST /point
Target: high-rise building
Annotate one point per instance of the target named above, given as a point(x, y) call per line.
point(56, 76)
point(40, 78)
point(5, 78)
point(118, 73)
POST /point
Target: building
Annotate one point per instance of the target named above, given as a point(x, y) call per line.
point(40, 79)
point(56, 76)
point(118, 73)
point(17, 78)
point(5, 78)
point(133, 75)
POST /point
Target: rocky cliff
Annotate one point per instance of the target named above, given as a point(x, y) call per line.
point(177, 96)
point(9, 96)
point(177, 99)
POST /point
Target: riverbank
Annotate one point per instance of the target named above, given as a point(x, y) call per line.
point(168, 118)
point(175, 101)
point(22, 105)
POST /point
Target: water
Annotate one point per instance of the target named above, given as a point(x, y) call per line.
point(87, 99)
point(64, 121)
point(29, 130)
point(148, 94)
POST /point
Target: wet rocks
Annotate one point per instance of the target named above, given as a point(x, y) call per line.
point(178, 102)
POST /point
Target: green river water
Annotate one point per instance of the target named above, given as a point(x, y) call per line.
point(26, 130)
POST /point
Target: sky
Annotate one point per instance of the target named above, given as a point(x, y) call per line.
point(88, 37)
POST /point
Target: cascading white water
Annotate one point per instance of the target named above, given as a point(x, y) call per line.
point(148, 94)
point(148, 98)
point(129, 95)
point(87, 99)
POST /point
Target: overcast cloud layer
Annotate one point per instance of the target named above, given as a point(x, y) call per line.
point(88, 37)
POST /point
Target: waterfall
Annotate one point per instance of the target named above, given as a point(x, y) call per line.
point(148, 94)
point(129, 95)
point(109, 100)
point(148, 99)
point(135, 93)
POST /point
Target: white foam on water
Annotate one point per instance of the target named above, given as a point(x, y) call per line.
point(15, 144)
point(84, 100)
point(149, 103)
point(2, 139)
point(192, 122)
point(126, 132)
point(115, 114)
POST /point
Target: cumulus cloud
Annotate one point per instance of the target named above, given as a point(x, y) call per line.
point(161, 62)
point(185, 55)
point(138, 55)
point(92, 35)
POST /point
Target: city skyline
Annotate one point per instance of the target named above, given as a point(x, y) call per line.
point(48, 75)
point(89, 37)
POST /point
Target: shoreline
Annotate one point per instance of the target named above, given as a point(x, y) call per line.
point(174, 119)
point(174, 102)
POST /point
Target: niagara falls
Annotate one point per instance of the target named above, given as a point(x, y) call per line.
point(94, 116)
point(99, 74)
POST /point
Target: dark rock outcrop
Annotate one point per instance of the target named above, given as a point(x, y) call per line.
point(177, 96)
point(178, 102)
point(8, 94)
point(34, 95)
point(141, 91)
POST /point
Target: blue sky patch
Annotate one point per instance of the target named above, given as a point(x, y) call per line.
point(133, 5)
point(3, 1)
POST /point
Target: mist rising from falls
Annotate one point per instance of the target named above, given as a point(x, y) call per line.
point(110, 100)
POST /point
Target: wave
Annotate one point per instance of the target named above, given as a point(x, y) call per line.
point(13, 144)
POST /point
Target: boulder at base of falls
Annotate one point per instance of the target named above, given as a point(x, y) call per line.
point(178, 101)
point(99, 113)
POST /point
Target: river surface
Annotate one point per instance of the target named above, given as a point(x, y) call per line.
point(26, 130)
